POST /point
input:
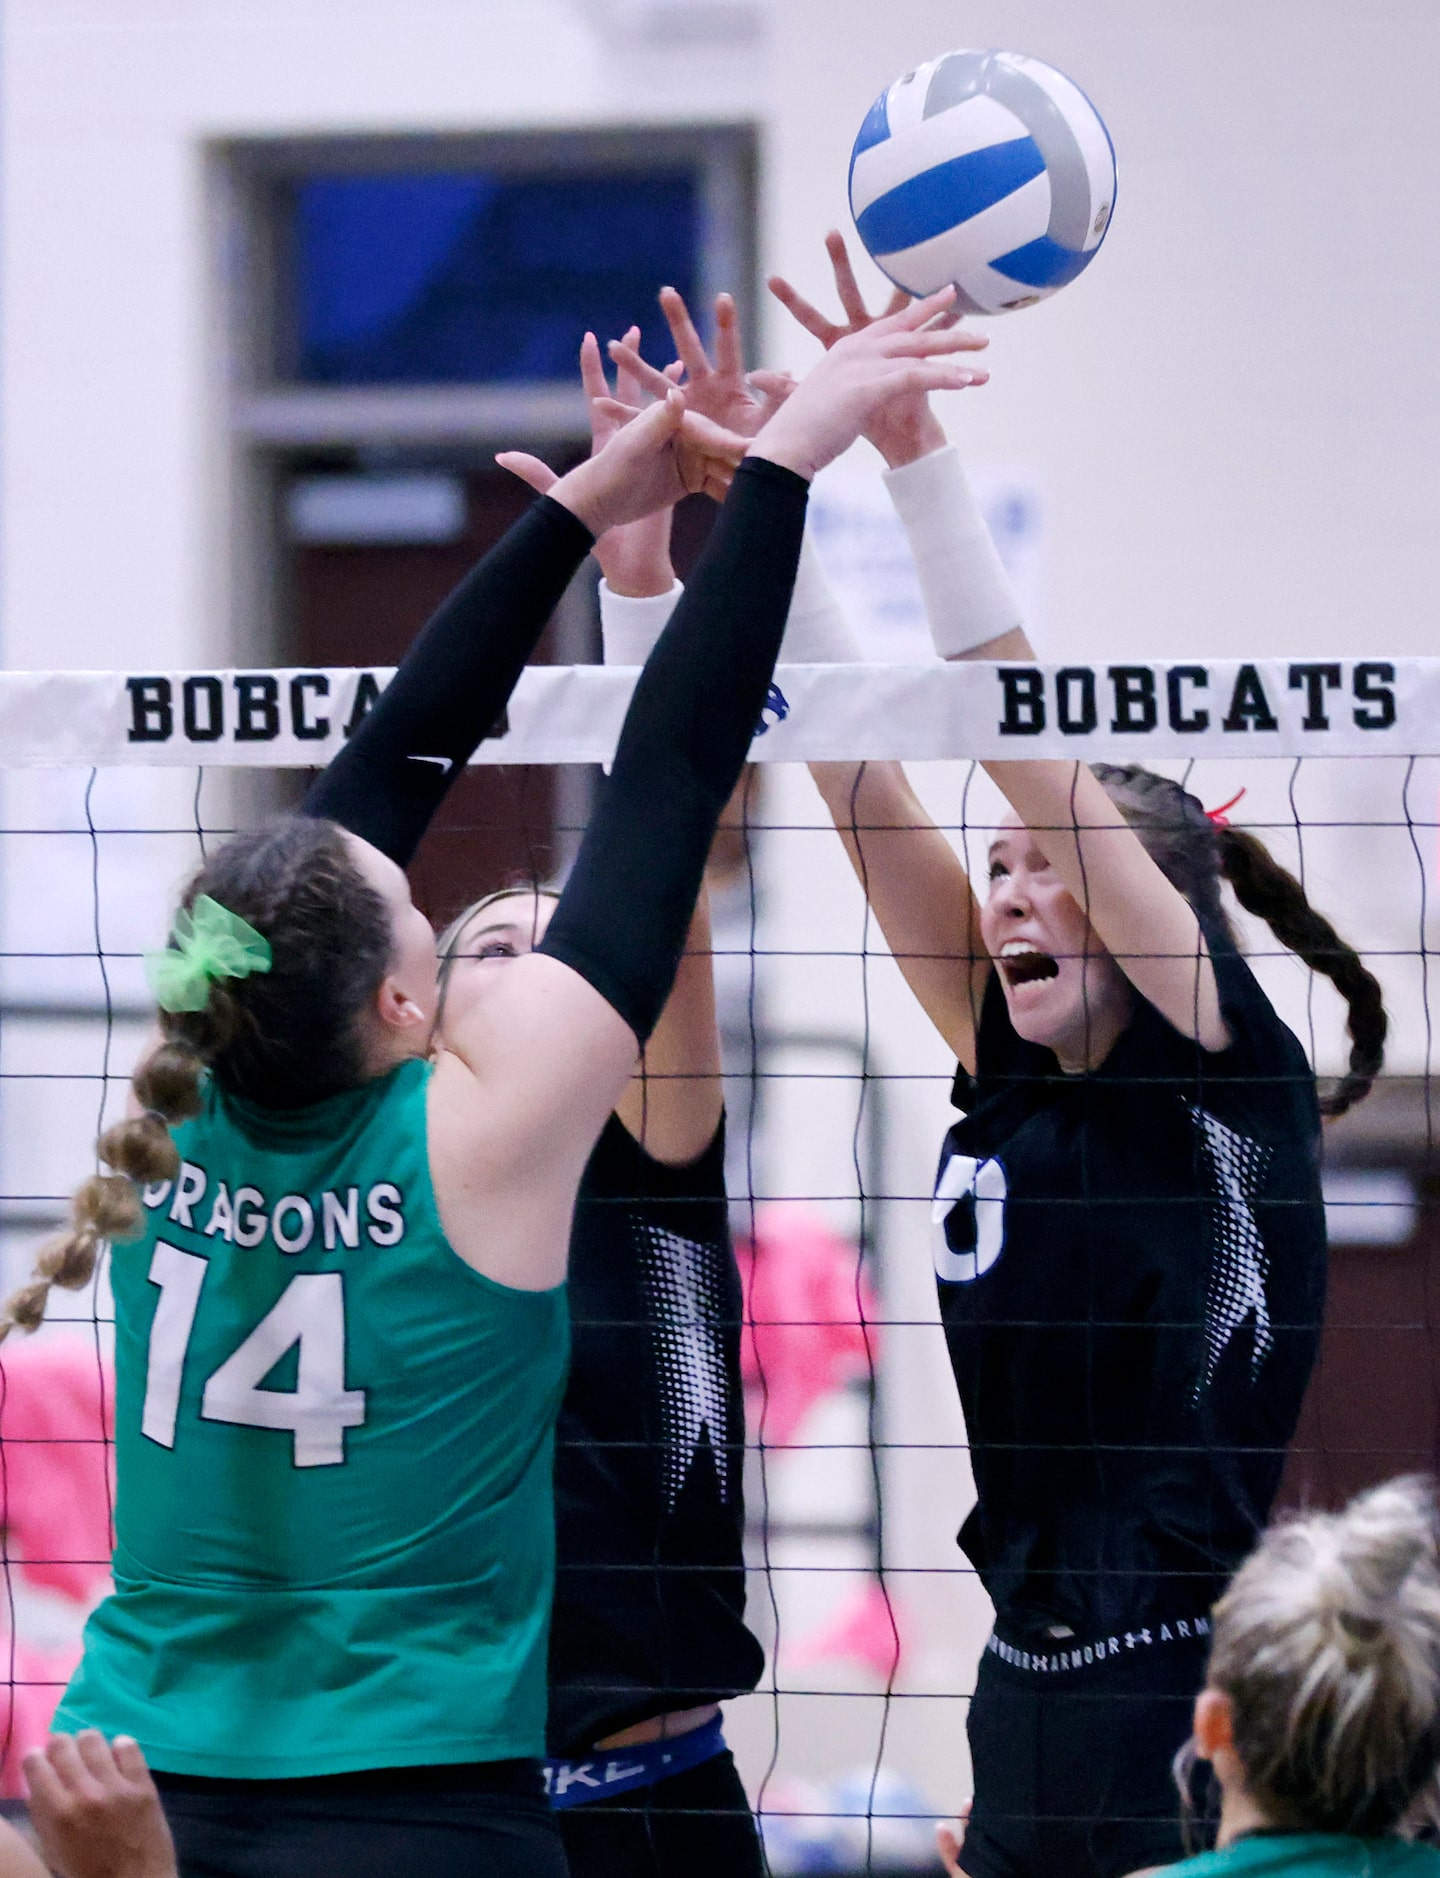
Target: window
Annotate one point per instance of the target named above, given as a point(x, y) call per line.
point(478, 277)
point(397, 309)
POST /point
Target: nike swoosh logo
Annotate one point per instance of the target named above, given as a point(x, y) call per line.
point(446, 763)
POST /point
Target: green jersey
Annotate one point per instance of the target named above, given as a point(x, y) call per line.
point(1312, 1855)
point(334, 1513)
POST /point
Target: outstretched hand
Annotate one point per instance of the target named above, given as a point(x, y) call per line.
point(720, 390)
point(648, 461)
point(631, 389)
point(904, 428)
point(904, 355)
point(634, 557)
point(95, 1809)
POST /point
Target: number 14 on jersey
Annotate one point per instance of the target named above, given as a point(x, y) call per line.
point(308, 1316)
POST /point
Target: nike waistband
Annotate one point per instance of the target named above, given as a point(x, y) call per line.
point(618, 1770)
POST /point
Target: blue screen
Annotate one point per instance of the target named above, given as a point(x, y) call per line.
point(481, 278)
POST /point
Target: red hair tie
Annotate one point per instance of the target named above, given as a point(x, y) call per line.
point(1218, 816)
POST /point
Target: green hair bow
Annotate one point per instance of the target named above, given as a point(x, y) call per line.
point(207, 943)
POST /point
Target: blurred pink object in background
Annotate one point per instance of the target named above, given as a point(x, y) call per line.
point(865, 1629)
point(57, 1425)
point(56, 1483)
point(34, 1681)
point(802, 1334)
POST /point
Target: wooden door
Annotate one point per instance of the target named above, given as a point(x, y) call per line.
point(363, 605)
point(1373, 1407)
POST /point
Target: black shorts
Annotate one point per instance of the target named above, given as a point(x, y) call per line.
point(694, 1825)
point(1073, 1769)
point(447, 1822)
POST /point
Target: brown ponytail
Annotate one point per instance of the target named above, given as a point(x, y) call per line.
point(1272, 893)
point(1195, 856)
point(284, 1039)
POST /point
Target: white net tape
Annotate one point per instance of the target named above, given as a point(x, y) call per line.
point(572, 714)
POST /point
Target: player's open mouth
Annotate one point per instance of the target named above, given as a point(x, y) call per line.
point(1024, 964)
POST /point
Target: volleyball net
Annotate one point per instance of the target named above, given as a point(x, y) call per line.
point(114, 785)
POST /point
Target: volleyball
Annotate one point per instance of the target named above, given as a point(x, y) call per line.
point(988, 171)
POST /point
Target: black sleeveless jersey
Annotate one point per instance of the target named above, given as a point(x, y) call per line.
point(1131, 1269)
point(650, 1447)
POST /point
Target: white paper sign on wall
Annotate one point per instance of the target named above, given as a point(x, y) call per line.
point(868, 560)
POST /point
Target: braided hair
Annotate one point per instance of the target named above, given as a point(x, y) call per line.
point(283, 1039)
point(1196, 856)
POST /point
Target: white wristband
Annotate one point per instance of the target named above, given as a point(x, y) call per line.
point(817, 632)
point(967, 593)
point(629, 627)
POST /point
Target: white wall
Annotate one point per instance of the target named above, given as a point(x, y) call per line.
point(1234, 411)
point(112, 526)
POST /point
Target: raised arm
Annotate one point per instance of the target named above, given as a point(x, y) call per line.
point(913, 878)
point(455, 681)
point(528, 1077)
point(552, 1055)
point(918, 890)
point(1140, 918)
point(672, 1107)
point(622, 920)
point(1146, 924)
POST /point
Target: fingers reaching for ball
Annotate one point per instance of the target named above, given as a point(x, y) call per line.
point(848, 287)
point(852, 300)
point(880, 373)
point(857, 315)
point(899, 357)
point(903, 427)
point(530, 469)
point(718, 388)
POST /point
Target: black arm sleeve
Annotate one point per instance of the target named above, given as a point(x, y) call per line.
point(622, 920)
point(451, 687)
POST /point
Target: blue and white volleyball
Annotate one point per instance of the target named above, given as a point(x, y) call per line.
point(986, 170)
